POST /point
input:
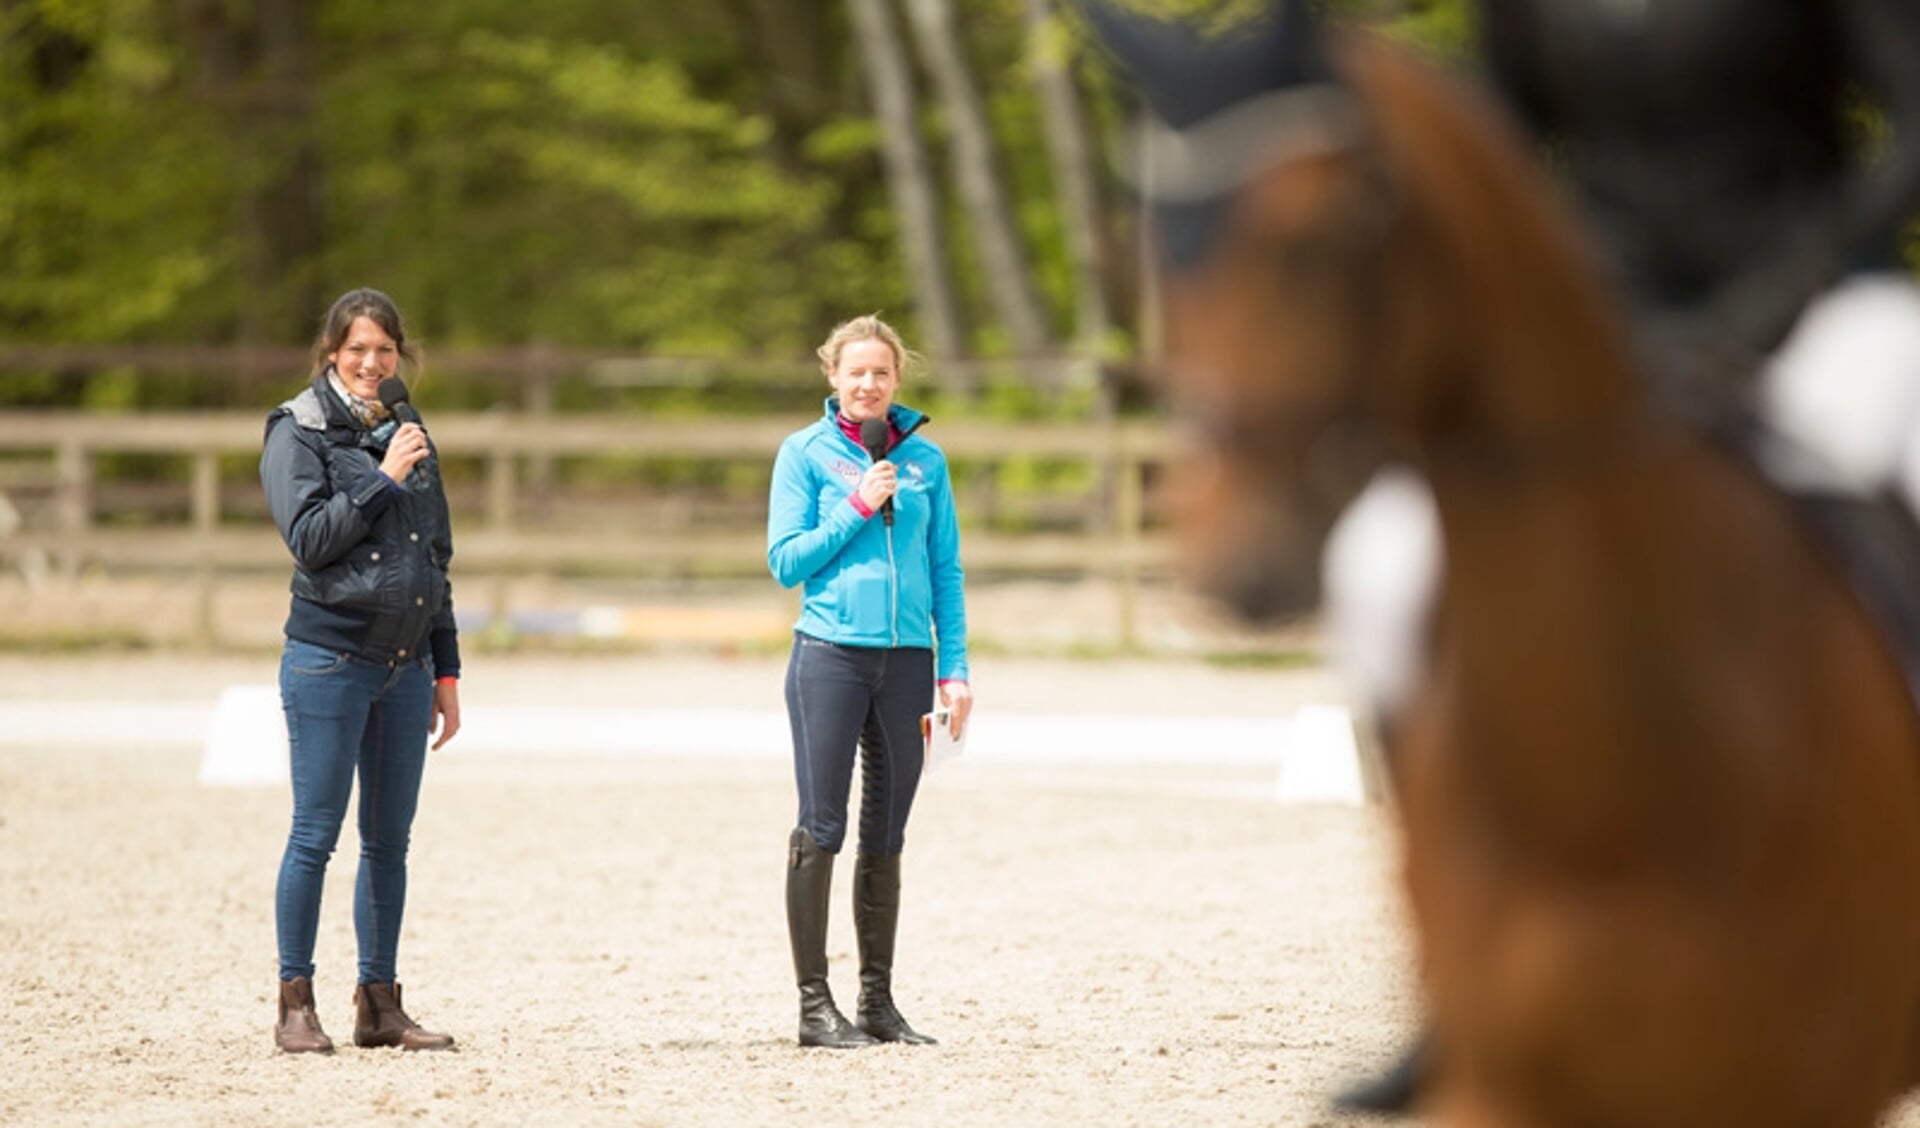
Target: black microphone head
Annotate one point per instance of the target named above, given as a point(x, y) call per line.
point(873, 436)
point(393, 390)
point(393, 393)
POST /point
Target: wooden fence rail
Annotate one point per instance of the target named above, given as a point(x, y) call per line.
point(57, 451)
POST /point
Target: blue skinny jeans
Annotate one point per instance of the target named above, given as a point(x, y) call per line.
point(346, 713)
point(847, 699)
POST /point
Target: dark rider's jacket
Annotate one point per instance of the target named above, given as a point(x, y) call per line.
point(370, 557)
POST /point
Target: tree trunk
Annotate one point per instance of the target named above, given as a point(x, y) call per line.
point(255, 67)
point(1008, 281)
point(793, 51)
point(286, 210)
point(788, 45)
point(1073, 180)
point(909, 184)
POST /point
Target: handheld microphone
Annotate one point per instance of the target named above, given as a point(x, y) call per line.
point(873, 436)
point(393, 393)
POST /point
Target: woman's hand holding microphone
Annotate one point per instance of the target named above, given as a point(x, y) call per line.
point(408, 447)
point(880, 482)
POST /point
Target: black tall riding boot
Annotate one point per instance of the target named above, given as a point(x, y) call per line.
point(809, 880)
point(876, 917)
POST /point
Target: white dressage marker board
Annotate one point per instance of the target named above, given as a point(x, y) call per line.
point(247, 739)
point(1319, 754)
point(1321, 759)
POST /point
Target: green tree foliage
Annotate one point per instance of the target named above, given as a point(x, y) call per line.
point(569, 172)
point(1444, 27)
point(115, 194)
point(1440, 25)
point(645, 174)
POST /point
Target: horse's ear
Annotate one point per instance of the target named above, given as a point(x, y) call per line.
point(1188, 73)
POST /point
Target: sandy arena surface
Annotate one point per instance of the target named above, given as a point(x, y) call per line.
point(1148, 944)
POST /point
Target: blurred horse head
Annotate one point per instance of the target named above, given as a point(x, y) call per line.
point(1661, 784)
point(1285, 239)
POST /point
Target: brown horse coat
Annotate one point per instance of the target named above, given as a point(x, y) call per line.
point(1661, 791)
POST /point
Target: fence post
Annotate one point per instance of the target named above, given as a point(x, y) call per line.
point(73, 472)
point(1130, 517)
point(542, 372)
point(1093, 374)
point(206, 491)
point(73, 469)
point(206, 521)
point(500, 475)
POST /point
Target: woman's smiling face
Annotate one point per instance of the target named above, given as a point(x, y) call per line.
point(368, 356)
point(864, 378)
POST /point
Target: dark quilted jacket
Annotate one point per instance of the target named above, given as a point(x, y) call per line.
point(370, 558)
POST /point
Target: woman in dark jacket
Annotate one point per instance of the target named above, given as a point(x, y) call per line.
point(372, 661)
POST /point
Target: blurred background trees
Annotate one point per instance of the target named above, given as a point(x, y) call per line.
point(718, 179)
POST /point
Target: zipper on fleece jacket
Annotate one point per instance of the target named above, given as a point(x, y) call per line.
point(893, 589)
point(893, 566)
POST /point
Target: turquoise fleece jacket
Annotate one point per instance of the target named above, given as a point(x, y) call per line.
point(866, 584)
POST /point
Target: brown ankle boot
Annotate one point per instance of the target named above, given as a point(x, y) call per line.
point(298, 1031)
point(379, 1021)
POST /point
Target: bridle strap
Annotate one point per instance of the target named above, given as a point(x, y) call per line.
point(1212, 157)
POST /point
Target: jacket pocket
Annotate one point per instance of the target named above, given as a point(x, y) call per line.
point(361, 581)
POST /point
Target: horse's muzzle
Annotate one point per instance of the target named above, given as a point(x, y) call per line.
point(1260, 587)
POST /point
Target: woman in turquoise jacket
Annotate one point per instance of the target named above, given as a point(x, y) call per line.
point(875, 547)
